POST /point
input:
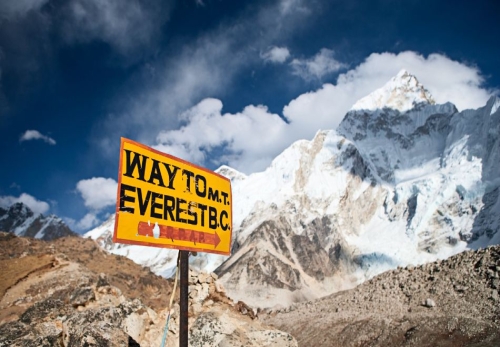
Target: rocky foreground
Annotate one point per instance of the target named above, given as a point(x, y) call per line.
point(453, 302)
point(68, 292)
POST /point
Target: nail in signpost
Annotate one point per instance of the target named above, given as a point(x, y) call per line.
point(164, 201)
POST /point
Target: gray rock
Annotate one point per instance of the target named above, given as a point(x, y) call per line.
point(429, 303)
point(495, 283)
point(50, 308)
point(227, 329)
point(494, 295)
point(202, 277)
point(82, 296)
point(102, 281)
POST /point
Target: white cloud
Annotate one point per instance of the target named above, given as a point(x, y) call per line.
point(87, 222)
point(35, 205)
point(98, 192)
point(276, 55)
point(323, 63)
point(249, 140)
point(36, 135)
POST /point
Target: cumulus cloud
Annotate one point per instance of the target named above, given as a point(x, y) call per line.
point(87, 222)
point(36, 135)
point(97, 192)
point(249, 140)
point(323, 63)
point(35, 205)
point(276, 55)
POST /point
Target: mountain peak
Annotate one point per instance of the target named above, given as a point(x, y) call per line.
point(402, 93)
point(20, 209)
point(22, 221)
point(230, 173)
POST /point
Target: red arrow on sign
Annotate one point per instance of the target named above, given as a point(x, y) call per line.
point(169, 232)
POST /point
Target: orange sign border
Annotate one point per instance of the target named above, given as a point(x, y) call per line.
point(150, 244)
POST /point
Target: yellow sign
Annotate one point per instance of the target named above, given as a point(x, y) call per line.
point(164, 201)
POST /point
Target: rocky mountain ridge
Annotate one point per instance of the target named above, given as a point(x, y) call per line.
point(22, 221)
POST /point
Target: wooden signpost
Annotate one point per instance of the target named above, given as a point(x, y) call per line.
point(164, 201)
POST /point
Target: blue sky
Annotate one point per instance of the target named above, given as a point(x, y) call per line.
point(213, 81)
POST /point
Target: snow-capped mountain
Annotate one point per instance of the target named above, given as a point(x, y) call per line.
point(20, 220)
point(403, 92)
point(401, 181)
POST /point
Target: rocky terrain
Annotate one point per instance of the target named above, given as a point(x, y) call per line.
point(68, 292)
point(453, 302)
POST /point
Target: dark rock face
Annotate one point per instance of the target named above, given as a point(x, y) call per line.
point(359, 168)
point(16, 334)
point(19, 219)
point(81, 296)
point(488, 219)
point(397, 130)
point(14, 216)
point(312, 258)
point(49, 309)
point(412, 207)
